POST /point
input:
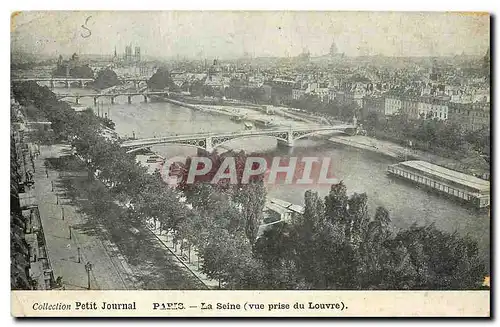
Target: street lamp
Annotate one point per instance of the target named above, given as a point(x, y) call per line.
point(88, 268)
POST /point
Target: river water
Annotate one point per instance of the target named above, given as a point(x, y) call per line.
point(361, 171)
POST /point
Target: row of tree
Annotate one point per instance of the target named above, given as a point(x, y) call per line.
point(81, 71)
point(335, 244)
point(429, 134)
point(231, 215)
point(340, 110)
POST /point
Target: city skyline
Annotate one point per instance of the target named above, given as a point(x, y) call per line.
point(259, 34)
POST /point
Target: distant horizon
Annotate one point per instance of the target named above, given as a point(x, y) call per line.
point(274, 34)
point(180, 57)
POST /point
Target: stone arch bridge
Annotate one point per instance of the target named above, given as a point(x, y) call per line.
point(81, 82)
point(112, 96)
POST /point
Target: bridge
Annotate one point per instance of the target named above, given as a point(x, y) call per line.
point(66, 80)
point(112, 96)
point(80, 81)
point(210, 141)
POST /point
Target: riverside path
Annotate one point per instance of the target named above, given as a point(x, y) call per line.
point(122, 257)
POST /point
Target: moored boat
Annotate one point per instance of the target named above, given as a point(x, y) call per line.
point(249, 125)
point(468, 188)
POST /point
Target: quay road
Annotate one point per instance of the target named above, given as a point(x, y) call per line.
point(109, 271)
point(124, 255)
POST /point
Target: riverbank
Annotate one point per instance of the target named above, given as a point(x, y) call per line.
point(253, 116)
point(198, 107)
point(403, 153)
point(366, 143)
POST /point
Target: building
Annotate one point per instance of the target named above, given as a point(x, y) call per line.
point(255, 81)
point(283, 82)
point(409, 107)
point(332, 94)
point(373, 104)
point(355, 89)
point(298, 93)
point(471, 116)
point(321, 91)
point(128, 53)
point(68, 67)
point(137, 54)
point(333, 49)
point(305, 56)
point(392, 105)
point(433, 107)
point(215, 78)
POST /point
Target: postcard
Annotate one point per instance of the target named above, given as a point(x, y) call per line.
point(250, 163)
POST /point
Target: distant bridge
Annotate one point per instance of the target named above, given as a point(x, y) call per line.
point(67, 81)
point(112, 96)
point(210, 141)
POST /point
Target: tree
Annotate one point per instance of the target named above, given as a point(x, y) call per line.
point(372, 121)
point(336, 204)
point(197, 88)
point(443, 260)
point(358, 218)
point(252, 199)
point(106, 78)
point(83, 71)
point(307, 227)
point(228, 259)
point(276, 250)
point(161, 80)
point(43, 135)
point(480, 140)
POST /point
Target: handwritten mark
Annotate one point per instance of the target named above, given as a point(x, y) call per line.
point(85, 27)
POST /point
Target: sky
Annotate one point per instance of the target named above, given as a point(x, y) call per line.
point(230, 34)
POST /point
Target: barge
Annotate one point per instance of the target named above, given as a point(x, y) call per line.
point(465, 187)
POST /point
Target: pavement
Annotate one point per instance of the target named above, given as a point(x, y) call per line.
point(58, 216)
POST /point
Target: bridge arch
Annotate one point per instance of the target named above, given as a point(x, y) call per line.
point(200, 145)
point(298, 135)
point(223, 141)
point(131, 96)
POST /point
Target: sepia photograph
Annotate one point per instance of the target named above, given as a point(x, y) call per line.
point(247, 150)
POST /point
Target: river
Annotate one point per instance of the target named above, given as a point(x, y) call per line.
point(361, 171)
